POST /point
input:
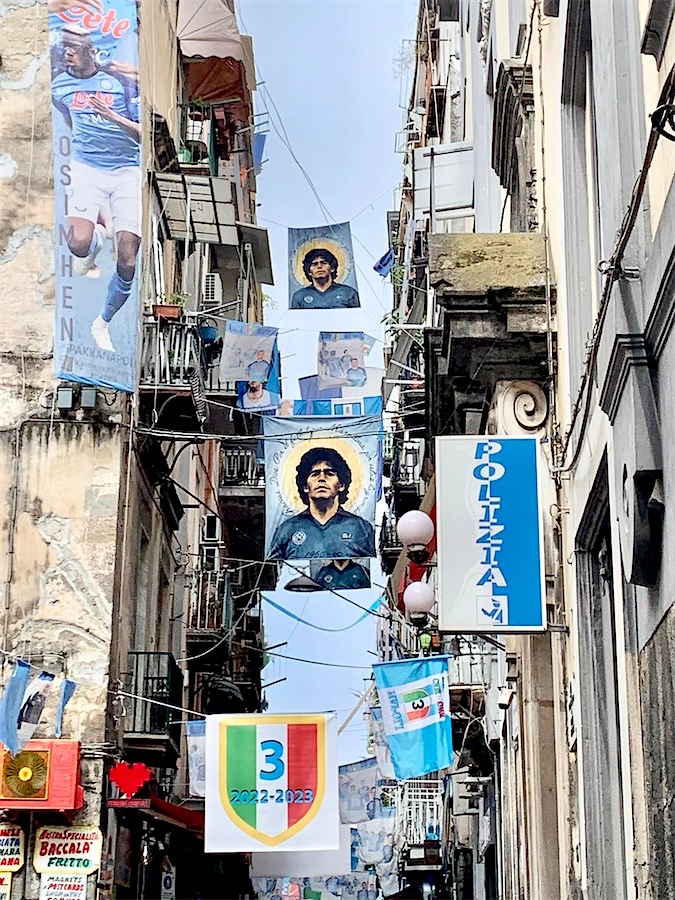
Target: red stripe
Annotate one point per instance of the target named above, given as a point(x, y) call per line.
point(302, 768)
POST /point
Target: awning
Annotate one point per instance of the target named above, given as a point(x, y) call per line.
point(259, 240)
point(208, 29)
point(191, 819)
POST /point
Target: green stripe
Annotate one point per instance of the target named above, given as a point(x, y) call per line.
point(241, 767)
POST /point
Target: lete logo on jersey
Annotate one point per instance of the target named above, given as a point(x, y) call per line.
point(275, 774)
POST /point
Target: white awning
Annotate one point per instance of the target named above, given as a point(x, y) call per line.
point(212, 215)
point(208, 28)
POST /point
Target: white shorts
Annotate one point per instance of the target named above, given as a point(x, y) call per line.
point(92, 189)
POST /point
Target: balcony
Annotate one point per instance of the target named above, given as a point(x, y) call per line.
point(151, 730)
point(390, 545)
point(241, 473)
point(210, 610)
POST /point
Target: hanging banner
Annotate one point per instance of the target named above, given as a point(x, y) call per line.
point(247, 352)
point(34, 701)
point(271, 783)
point(196, 744)
point(261, 396)
point(60, 848)
point(374, 842)
point(489, 535)
point(340, 574)
point(63, 887)
point(358, 791)
point(299, 864)
point(321, 270)
point(97, 185)
point(321, 487)
point(415, 702)
point(340, 359)
point(5, 885)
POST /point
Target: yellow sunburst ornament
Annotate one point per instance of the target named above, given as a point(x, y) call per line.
point(323, 242)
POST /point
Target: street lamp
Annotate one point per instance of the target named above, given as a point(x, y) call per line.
point(415, 529)
point(418, 599)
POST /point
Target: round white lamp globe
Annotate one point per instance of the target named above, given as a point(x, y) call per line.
point(415, 529)
point(419, 597)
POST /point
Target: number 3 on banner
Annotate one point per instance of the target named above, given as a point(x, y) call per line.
point(273, 751)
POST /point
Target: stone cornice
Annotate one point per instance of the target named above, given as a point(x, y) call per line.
point(629, 350)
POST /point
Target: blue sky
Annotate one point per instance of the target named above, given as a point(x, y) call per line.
point(329, 68)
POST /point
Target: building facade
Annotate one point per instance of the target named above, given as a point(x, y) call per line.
point(534, 294)
point(128, 517)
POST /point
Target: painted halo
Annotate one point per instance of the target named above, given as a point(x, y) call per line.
point(337, 248)
point(348, 450)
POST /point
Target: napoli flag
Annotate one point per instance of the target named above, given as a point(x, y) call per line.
point(415, 700)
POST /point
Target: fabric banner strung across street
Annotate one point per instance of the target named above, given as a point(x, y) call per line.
point(247, 352)
point(97, 185)
point(340, 574)
point(415, 701)
point(340, 359)
point(196, 744)
point(271, 783)
point(358, 791)
point(326, 887)
point(366, 406)
point(261, 396)
point(322, 484)
point(321, 270)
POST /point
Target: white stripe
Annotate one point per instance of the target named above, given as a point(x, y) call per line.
point(272, 816)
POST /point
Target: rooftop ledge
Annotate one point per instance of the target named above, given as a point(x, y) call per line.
point(511, 267)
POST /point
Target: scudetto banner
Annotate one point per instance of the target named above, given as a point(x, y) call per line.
point(321, 270)
point(97, 185)
point(322, 484)
point(271, 783)
point(490, 547)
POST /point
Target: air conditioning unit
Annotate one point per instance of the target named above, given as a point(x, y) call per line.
point(211, 529)
point(213, 291)
point(43, 776)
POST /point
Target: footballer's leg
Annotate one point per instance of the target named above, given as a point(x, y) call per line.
point(85, 236)
point(119, 287)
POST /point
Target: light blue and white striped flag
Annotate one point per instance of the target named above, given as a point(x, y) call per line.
point(415, 699)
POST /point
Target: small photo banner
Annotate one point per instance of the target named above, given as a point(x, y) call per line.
point(358, 789)
point(321, 270)
point(271, 783)
point(196, 743)
point(340, 359)
point(247, 352)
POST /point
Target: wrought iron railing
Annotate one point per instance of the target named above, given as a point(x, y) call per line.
point(210, 602)
point(239, 465)
point(172, 354)
point(156, 684)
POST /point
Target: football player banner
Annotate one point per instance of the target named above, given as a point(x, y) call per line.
point(322, 483)
point(358, 791)
point(271, 783)
point(415, 702)
point(321, 271)
point(97, 186)
point(247, 352)
point(340, 359)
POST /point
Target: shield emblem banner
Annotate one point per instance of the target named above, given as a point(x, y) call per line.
point(271, 782)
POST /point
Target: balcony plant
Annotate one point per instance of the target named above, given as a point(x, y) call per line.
point(170, 307)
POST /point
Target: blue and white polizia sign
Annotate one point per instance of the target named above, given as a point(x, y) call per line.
point(489, 535)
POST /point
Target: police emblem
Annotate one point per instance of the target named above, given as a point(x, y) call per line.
point(299, 537)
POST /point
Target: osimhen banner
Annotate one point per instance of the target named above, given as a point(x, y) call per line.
point(271, 783)
point(97, 186)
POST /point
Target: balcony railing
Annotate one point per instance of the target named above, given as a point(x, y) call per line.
point(239, 466)
point(210, 603)
point(173, 354)
point(390, 545)
point(153, 676)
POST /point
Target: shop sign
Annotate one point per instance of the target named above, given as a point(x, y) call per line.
point(63, 887)
point(12, 846)
point(5, 885)
point(67, 850)
point(168, 886)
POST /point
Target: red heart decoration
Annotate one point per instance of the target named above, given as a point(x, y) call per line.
point(129, 778)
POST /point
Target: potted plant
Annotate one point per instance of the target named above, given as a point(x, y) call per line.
point(171, 307)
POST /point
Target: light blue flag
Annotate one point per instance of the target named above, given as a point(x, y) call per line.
point(10, 706)
point(415, 699)
point(67, 691)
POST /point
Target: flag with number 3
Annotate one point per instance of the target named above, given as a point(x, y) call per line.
point(271, 783)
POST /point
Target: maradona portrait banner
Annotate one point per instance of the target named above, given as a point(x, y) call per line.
point(271, 783)
point(97, 185)
point(322, 479)
point(321, 270)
